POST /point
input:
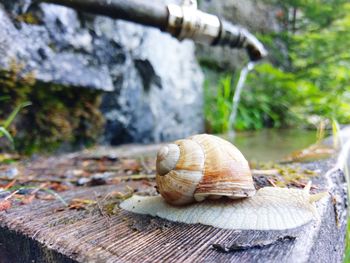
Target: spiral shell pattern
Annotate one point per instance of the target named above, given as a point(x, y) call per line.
point(202, 166)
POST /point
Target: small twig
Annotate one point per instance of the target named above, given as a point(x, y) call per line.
point(265, 172)
point(137, 177)
point(39, 188)
point(271, 182)
point(300, 184)
point(144, 165)
point(9, 185)
point(39, 180)
point(12, 194)
point(100, 209)
point(57, 196)
point(103, 169)
point(36, 233)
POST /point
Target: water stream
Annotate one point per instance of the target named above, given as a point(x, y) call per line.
point(236, 97)
point(267, 144)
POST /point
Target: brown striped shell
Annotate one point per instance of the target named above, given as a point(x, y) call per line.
point(202, 166)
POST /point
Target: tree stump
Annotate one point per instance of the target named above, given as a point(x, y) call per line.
point(47, 231)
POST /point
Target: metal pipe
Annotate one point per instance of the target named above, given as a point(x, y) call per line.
point(147, 13)
point(182, 22)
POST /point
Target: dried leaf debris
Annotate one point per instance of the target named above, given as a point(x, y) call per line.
point(44, 178)
point(23, 181)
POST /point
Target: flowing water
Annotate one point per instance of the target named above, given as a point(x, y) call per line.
point(266, 144)
point(236, 97)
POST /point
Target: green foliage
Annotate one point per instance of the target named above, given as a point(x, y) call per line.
point(262, 104)
point(5, 124)
point(14, 113)
point(218, 105)
point(4, 132)
point(317, 34)
point(267, 100)
point(311, 81)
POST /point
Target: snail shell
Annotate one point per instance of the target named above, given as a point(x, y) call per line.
point(202, 166)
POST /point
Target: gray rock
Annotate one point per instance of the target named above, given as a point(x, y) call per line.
point(52, 59)
point(160, 94)
point(256, 15)
point(152, 82)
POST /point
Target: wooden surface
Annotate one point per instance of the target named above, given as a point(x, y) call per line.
point(47, 231)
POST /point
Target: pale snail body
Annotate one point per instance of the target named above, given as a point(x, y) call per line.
point(206, 166)
point(202, 166)
point(272, 208)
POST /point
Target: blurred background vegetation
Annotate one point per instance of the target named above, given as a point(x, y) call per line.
point(306, 82)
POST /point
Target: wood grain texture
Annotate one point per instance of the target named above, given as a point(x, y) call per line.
point(45, 232)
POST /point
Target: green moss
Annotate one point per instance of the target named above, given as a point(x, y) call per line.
point(286, 174)
point(57, 115)
point(28, 18)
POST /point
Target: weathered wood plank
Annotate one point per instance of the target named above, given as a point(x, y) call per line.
point(45, 231)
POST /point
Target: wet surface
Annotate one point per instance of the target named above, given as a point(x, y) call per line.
point(272, 144)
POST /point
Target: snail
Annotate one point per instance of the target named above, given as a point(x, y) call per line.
point(201, 167)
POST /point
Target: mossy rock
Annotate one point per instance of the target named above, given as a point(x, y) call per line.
point(58, 115)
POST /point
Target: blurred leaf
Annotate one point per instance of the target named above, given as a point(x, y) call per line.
point(14, 113)
point(4, 132)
